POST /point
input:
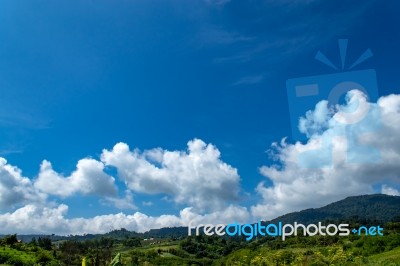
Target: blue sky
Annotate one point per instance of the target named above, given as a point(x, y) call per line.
point(78, 77)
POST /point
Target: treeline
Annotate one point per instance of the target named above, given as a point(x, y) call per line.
point(167, 232)
point(212, 247)
point(366, 209)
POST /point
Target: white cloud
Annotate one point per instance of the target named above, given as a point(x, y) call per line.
point(16, 189)
point(330, 166)
point(196, 177)
point(230, 214)
point(33, 219)
point(390, 191)
point(88, 178)
point(316, 121)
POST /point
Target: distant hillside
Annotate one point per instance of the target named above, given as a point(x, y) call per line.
point(166, 232)
point(174, 232)
point(116, 234)
point(376, 208)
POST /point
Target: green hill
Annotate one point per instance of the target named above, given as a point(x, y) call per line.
point(375, 208)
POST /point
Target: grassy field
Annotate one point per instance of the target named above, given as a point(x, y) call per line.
point(390, 258)
point(158, 253)
point(14, 255)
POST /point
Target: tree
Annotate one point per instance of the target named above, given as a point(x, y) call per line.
point(132, 242)
point(10, 239)
point(45, 243)
point(34, 242)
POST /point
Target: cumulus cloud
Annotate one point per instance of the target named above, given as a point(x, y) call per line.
point(16, 189)
point(390, 191)
point(316, 121)
point(349, 151)
point(33, 219)
point(88, 178)
point(196, 177)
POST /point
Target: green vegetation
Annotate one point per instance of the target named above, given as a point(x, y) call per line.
point(208, 250)
point(12, 252)
point(320, 250)
point(390, 258)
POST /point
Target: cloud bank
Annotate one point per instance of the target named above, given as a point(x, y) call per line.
point(48, 220)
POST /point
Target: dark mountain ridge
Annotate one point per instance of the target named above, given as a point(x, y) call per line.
point(376, 208)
